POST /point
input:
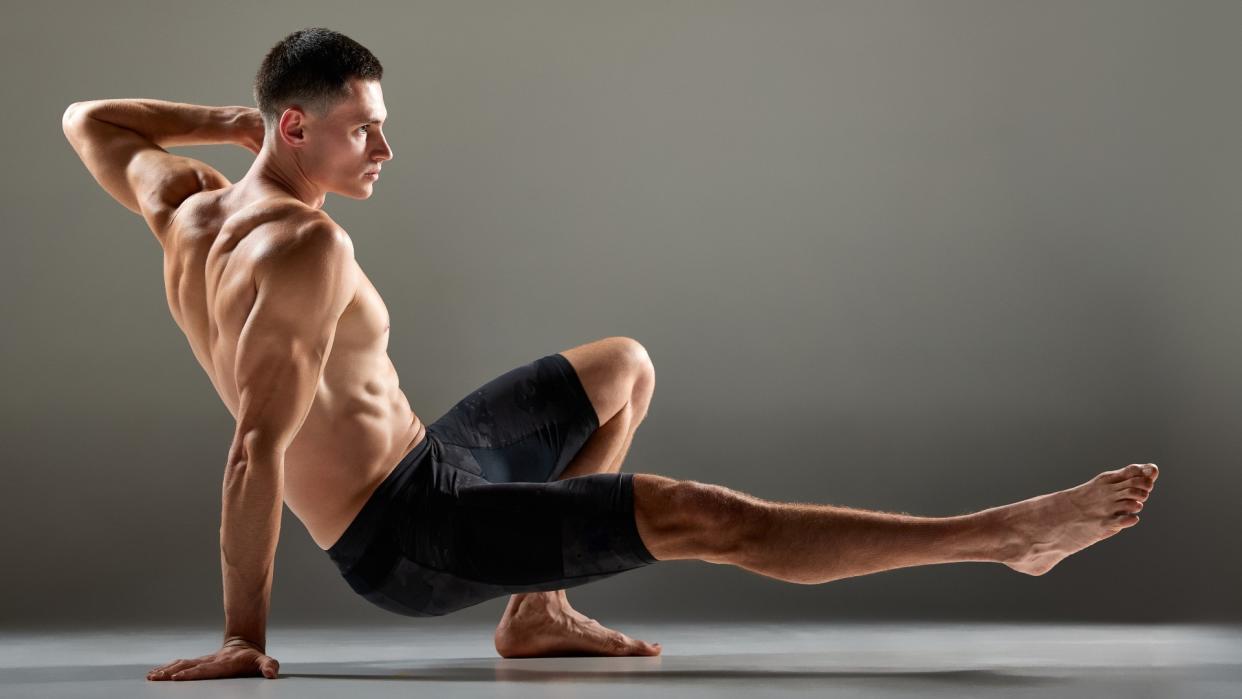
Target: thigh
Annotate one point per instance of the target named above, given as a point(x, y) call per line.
point(526, 425)
point(547, 536)
point(451, 540)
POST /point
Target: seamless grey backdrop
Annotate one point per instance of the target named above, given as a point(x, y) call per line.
point(923, 257)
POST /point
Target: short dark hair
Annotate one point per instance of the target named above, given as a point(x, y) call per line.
point(310, 68)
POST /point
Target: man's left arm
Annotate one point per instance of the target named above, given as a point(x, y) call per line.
point(122, 142)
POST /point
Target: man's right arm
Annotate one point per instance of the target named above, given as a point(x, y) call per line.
point(284, 344)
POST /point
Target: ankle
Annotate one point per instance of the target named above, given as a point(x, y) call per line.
point(537, 601)
point(996, 538)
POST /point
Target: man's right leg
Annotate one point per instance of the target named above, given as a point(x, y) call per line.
point(812, 544)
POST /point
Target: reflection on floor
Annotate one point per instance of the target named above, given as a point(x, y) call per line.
point(742, 659)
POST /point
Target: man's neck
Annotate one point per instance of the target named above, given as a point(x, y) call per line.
point(277, 171)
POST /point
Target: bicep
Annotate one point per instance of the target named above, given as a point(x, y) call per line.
point(286, 340)
point(143, 177)
point(278, 368)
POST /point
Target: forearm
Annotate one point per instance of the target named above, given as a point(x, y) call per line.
point(249, 530)
point(179, 124)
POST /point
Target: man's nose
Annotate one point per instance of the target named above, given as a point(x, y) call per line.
point(385, 151)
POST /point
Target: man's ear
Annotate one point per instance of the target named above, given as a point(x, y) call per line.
point(292, 127)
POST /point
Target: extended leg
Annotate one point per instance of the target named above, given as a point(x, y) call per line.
point(809, 544)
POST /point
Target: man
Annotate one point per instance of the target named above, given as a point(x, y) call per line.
point(517, 489)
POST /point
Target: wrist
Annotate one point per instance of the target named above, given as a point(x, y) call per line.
point(230, 641)
point(246, 127)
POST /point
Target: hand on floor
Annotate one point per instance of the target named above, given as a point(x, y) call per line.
point(229, 661)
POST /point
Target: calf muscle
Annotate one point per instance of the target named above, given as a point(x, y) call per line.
point(795, 542)
point(683, 519)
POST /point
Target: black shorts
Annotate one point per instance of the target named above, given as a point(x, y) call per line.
point(469, 514)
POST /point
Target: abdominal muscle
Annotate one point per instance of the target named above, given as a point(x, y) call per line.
point(345, 449)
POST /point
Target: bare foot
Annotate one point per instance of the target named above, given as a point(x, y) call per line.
point(1048, 528)
point(543, 625)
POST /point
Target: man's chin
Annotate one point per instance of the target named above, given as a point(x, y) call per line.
point(364, 193)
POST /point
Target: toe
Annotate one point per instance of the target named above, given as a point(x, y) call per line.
point(615, 643)
point(1141, 483)
point(627, 646)
point(620, 644)
point(644, 648)
point(1122, 474)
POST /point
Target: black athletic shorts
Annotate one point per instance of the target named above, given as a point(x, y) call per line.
point(470, 513)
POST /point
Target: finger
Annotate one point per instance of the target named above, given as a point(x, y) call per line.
point(270, 667)
point(168, 665)
point(203, 672)
point(165, 670)
point(187, 665)
point(157, 670)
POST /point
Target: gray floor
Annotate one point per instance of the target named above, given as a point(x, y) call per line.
point(827, 660)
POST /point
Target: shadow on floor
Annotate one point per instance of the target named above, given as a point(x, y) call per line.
point(978, 678)
point(639, 670)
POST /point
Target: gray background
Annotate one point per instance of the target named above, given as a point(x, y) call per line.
point(923, 257)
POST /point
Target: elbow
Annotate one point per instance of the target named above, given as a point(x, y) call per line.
point(264, 442)
point(72, 117)
point(78, 113)
point(66, 119)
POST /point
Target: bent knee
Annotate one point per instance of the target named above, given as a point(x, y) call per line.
point(633, 356)
point(633, 362)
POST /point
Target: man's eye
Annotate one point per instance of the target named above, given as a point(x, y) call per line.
point(363, 127)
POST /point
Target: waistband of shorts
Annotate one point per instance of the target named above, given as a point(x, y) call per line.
point(351, 545)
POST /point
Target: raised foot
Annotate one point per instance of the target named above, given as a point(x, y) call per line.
point(1048, 528)
point(538, 628)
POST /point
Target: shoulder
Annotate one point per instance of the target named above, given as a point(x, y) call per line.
point(291, 225)
point(317, 232)
point(305, 246)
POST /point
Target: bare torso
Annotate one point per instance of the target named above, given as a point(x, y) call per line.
point(360, 424)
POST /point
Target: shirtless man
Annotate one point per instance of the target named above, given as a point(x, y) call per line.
point(518, 488)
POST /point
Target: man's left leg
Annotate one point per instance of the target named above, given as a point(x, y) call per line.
point(619, 378)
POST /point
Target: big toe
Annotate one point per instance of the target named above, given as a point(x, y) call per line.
point(641, 647)
point(649, 648)
point(624, 645)
point(1131, 471)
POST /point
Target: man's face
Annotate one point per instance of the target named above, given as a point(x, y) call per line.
point(345, 147)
